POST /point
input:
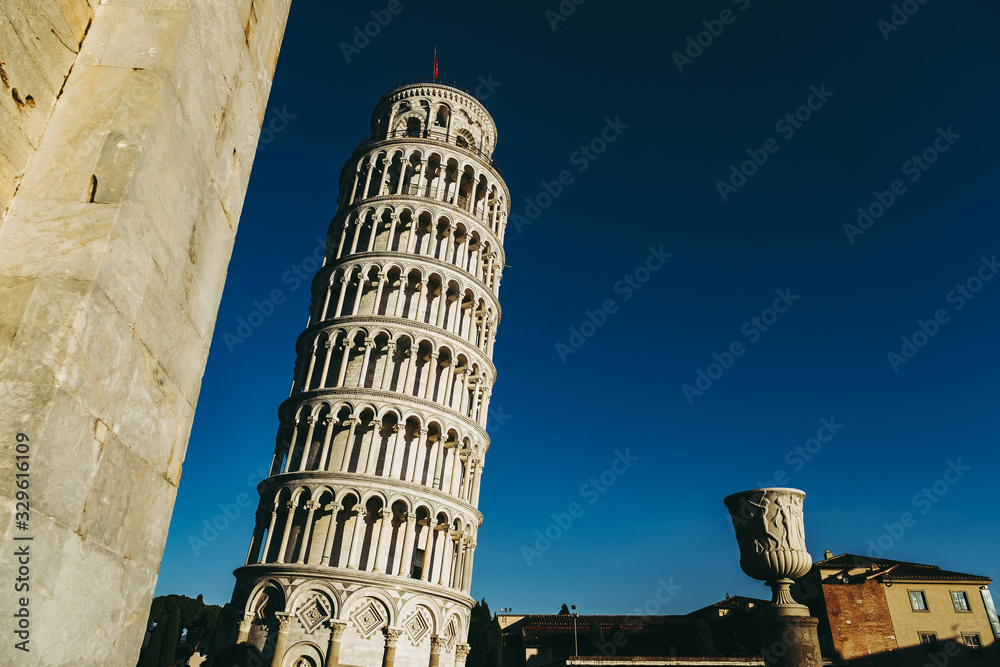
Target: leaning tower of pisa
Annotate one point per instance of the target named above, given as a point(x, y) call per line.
point(366, 530)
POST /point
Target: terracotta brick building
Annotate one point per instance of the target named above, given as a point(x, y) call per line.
point(900, 614)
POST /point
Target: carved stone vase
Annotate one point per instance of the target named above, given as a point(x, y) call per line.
point(771, 536)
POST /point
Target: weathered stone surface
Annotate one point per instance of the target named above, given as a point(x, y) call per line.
point(121, 183)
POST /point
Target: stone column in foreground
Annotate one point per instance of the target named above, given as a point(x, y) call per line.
point(127, 133)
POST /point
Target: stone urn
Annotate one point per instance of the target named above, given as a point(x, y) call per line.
point(772, 541)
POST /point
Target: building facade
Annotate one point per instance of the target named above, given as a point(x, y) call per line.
point(366, 531)
point(885, 612)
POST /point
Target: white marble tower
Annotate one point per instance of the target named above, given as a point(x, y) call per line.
point(366, 531)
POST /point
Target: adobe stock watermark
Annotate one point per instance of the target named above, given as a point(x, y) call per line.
point(295, 276)
point(591, 491)
point(900, 14)
point(228, 513)
point(666, 592)
point(581, 158)
point(695, 46)
point(627, 286)
point(562, 12)
point(787, 125)
point(753, 329)
point(495, 419)
point(485, 87)
point(924, 500)
point(797, 457)
point(926, 329)
point(914, 168)
point(363, 35)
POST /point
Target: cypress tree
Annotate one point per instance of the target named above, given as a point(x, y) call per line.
point(151, 654)
point(705, 647)
point(496, 642)
point(595, 637)
point(479, 636)
point(171, 636)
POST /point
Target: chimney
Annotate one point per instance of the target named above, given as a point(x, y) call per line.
point(827, 554)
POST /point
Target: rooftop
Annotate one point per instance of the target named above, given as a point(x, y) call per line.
point(888, 569)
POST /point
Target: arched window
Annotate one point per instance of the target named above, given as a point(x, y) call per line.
point(442, 117)
point(413, 127)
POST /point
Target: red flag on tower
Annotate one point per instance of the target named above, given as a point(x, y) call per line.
point(435, 63)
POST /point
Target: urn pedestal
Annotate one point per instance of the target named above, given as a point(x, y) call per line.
point(771, 535)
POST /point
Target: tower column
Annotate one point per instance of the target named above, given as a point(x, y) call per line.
point(362, 376)
point(390, 646)
point(270, 534)
point(328, 346)
point(323, 463)
point(312, 365)
point(396, 460)
point(475, 484)
point(378, 292)
point(333, 648)
point(467, 573)
point(288, 529)
point(393, 223)
point(437, 643)
point(384, 537)
point(352, 423)
point(402, 175)
point(321, 315)
point(342, 371)
point(331, 533)
point(307, 444)
point(357, 224)
point(354, 187)
point(340, 297)
point(456, 471)
point(432, 368)
point(406, 560)
point(281, 642)
point(343, 238)
point(368, 179)
point(390, 352)
point(354, 556)
point(312, 506)
point(373, 447)
point(447, 556)
point(425, 571)
point(421, 458)
point(243, 630)
point(410, 376)
point(357, 297)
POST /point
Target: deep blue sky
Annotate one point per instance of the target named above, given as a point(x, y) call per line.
point(556, 424)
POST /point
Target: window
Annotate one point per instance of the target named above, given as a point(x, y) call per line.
point(973, 645)
point(960, 600)
point(917, 601)
point(928, 641)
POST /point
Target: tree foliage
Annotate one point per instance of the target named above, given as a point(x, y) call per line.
point(150, 655)
point(168, 616)
point(484, 638)
point(564, 611)
point(171, 636)
point(595, 637)
point(703, 640)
